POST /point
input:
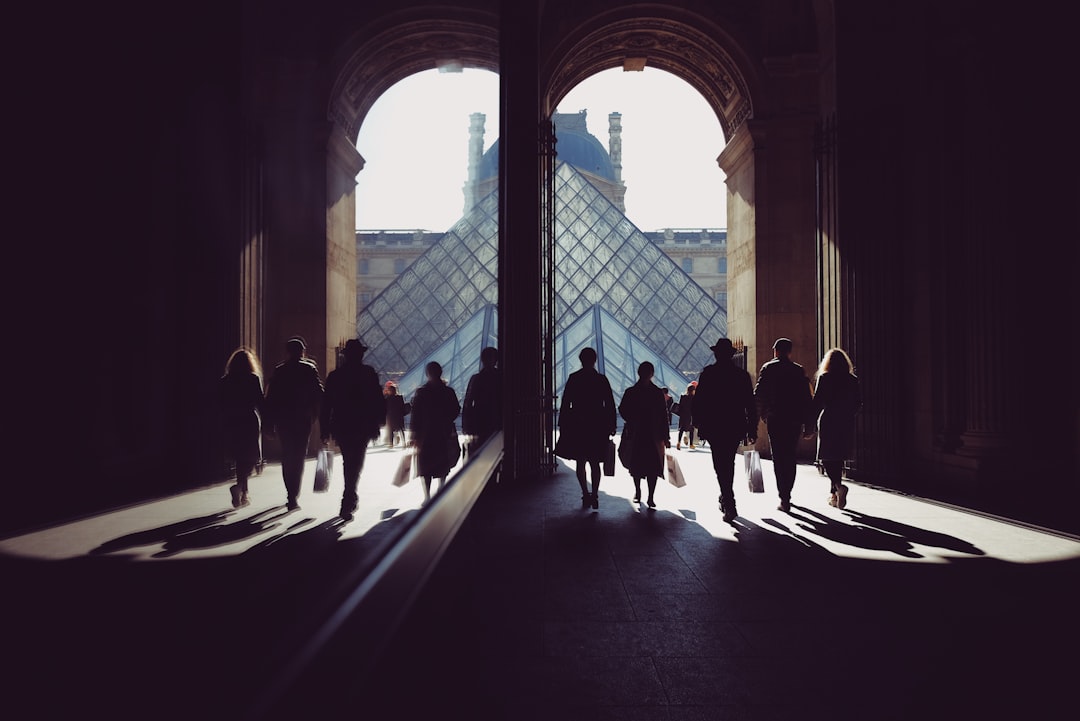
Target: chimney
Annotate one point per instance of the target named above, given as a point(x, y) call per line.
point(476, 155)
point(615, 153)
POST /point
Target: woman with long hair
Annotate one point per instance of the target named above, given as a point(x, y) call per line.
point(240, 395)
point(836, 401)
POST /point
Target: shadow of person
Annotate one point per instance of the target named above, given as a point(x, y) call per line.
point(872, 539)
point(921, 536)
point(751, 535)
point(222, 534)
point(161, 534)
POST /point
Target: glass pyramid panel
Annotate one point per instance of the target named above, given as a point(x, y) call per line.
point(602, 260)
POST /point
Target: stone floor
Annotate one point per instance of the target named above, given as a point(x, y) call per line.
point(893, 608)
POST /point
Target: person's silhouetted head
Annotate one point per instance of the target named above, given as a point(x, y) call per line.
point(433, 371)
point(782, 347)
point(587, 356)
point(391, 389)
point(645, 371)
point(242, 360)
point(723, 350)
point(489, 357)
point(691, 389)
point(295, 347)
point(353, 351)
point(836, 361)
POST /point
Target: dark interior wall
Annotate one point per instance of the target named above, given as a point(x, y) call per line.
point(127, 150)
point(957, 190)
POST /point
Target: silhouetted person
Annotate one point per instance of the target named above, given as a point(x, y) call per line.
point(725, 415)
point(396, 410)
point(435, 409)
point(352, 410)
point(783, 400)
point(645, 431)
point(686, 418)
point(240, 394)
point(481, 409)
point(587, 422)
point(293, 399)
point(836, 401)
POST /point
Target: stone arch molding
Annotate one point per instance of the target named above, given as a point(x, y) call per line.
point(387, 57)
point(669, 45)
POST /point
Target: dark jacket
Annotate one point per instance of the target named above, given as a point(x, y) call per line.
point(645, 432)
point(396, 410)
point(481, 410)
point(724, 406)
point(685, 409)
point(836, 401)
point(435, 408)
point(783, 394)
point(294, 396)
point(586, 416)
point(240, 397)
point(353, 407)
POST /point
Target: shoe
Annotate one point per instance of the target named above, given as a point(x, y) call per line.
point(784, 506)
point(234, 491)
point(345, 515)
point(595, 502)
point(652, 504)
point(244, 500)
point(832, 500)
point(292, 505)
point(841, 496)
point(586, 500)
point(729, 515)
point(678, 447)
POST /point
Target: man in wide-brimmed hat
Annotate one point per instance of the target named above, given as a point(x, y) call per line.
point(726, 416)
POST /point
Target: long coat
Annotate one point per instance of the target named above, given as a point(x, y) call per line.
point(481, 411)
point(724, 408)
point(686, 411)
point(783, 395)
point(586, 416)
point(241, 400)
point(646, 432)
point(435, 408)
point(395, 413)
point(294, 397)
point(836, 400)
point(353, 406)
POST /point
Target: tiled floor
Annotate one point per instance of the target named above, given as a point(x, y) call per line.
point(894, 608)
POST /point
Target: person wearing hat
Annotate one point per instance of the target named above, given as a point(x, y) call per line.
point(784, 402)
point(352, 411)
point(293, 399)
point(725, 415)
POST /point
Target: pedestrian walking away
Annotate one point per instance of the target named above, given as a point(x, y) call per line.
point(725, 414)
point(240, 397)
point(645, 433)
point(587, 421)
point(435, 409)
point(293, 400)
point(352, 410)
point(783, 399)
point(836, 402)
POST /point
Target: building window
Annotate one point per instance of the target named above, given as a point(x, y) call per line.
point(721, 265)
point(688, 265)
point(363, 299)
point(364, 270)
point(721, 298)
point(399, 265)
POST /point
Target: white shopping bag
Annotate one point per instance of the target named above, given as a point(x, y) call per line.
point(753, 471)
point(324, 467)
point(405, 467)
point(674, 470)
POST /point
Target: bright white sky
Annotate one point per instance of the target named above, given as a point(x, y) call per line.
point(415, 142)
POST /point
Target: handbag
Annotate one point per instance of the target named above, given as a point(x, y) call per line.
point(674, 470)
point(609, 459)
point(753, 471)
point(324, 467)
point(453, 449)
point(626, 452)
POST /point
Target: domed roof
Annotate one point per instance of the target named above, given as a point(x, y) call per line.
point(575, 146)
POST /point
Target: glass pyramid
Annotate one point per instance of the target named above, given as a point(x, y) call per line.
point(602, 260)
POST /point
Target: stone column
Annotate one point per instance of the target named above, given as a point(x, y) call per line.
point(615, 152)
point(343, 162)
point(520, 188)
